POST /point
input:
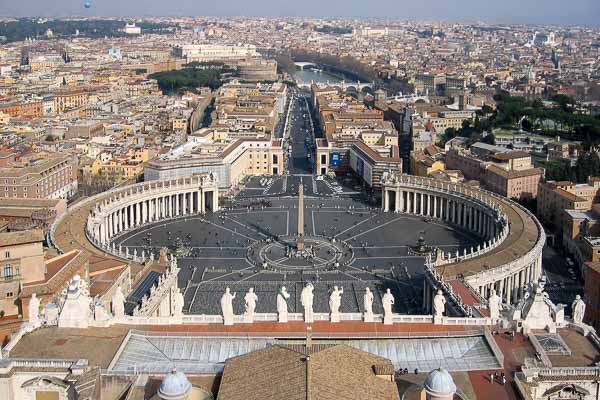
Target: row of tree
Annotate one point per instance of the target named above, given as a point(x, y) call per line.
point(588, 164)
point(191, 77)
point(534, 116)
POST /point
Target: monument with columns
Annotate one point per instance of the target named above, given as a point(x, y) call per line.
point(136, 205)
point(509, 256)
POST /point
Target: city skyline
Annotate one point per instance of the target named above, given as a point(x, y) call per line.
point(579, 12)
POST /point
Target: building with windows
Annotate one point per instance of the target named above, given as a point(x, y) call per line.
point(229, 156)
point(509, 173)
point(39, 176)
point(356, 138)
point(554, 197)
point(214, 52)
point(22, 108)
point(21, 260)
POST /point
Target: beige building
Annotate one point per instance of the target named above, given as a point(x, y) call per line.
point(514, 184)
point(21, 261)
point(228, 155)
point(39, 176)
point(510, 174)
point(69, 99)
point(554, 197)
point(425, 162)
point(214, 52)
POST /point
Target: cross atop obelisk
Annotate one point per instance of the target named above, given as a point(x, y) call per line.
point(300, 242)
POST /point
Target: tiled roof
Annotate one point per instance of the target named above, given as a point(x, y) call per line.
point(338, 372)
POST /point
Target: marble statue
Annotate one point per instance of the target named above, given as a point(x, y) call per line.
point(250, 298)
point(100, 313)
point(388, 301)
point(306, 298)
point(178, 303)
point(439, 304)
point(76, 311)
point(335, 301)
point(578, 310)
point(118, 303)
point(227, 306)
point(282, 308)
point(494, 305)
point(34, 311)
point(536, 311)
point(368, 305)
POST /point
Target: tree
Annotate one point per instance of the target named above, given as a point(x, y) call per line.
point(487, 110)
point(526, 125)
point(477, 125)
point(565, 102)
point(588, 164)
point(489, 139)
point(448, 135)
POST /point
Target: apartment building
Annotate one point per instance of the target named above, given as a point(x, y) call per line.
point(69, 99)
point(39, 176)
point(213, 52)
point(513, 183)
point(356, 138)
point(23, 108)
point(425, 162)
point(21, 260)
point(224, 154)
point(466, 162)
point(554, 197)
point(510, 174)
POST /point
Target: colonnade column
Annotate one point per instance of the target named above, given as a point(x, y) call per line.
point(429, 205)
point(401, 200)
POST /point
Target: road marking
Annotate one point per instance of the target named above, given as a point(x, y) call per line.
point(372, 229)
point(234, 232)
point(354, 226)
point(313, 223)
point(223, 276)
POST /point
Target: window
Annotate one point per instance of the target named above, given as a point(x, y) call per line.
point(8, 272)
point(7, 254)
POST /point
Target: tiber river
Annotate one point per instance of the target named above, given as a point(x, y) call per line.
point(308, 75)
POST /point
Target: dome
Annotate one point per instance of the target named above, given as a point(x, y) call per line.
point(175, 386)
point(439, 383)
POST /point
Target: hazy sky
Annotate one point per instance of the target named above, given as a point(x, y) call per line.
point(505, 11)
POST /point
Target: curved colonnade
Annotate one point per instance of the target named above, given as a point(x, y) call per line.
point(507, 260)
point(509, 257)
point(115, 212)
point(147, 203)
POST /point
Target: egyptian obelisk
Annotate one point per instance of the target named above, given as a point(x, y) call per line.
point(300, 243)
